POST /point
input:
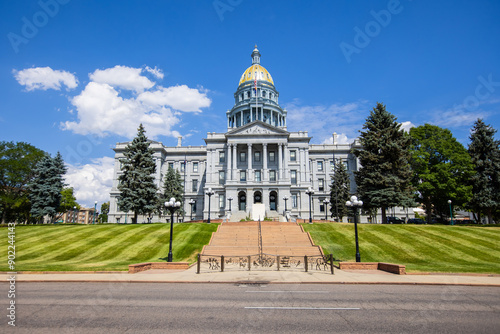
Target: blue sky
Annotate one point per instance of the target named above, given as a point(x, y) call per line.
point(78, 76)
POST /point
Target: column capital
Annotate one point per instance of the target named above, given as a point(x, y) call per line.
point(264, 144)
point(249, 144)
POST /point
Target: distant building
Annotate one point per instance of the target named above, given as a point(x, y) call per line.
point(82, 216)
point(253, 166)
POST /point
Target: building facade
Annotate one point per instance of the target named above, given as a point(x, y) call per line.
point(257, 168)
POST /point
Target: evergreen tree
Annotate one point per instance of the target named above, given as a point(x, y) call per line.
point(442, 168)
point(46, 188)
point(339, 191)
point(485, 153)
point(384, 179)
point(136, 183)
point(173, 186)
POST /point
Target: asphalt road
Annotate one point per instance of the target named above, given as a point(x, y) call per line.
point(239, 308)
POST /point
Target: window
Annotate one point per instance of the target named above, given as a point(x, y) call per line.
point(243, 156)
point(321, 183)
point(321, 207)
point(171, 165)
point(195, 185)
point(320, 165)
point(332, 165)
point(256, 155)
point(293, 155)
point(294, 201)
point(183, 166)
point(222, 201)
point(222, 177)
point(243, 175)
point(293, 176)
point(257, 176)
point(272, 156)
point(272, 175)
point(195, 167)
point(346, 164)
point(222, 156)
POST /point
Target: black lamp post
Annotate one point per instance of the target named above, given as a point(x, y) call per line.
point(325, 202)
point(209, 193)
point(310, 192)
point(230, 199)
point(285, 199)
point(192, 202)
point(74, 215)
point(171, 205)
point(451, 212)
point(95, 210)
point(355, 203)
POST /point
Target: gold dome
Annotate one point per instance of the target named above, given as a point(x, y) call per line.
point(256, 71)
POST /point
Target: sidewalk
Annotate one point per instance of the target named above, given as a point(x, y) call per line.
point(264, 277)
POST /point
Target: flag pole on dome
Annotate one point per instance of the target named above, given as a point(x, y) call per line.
point(255, 87)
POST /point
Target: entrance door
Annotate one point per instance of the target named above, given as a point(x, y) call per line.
point(272, 200)
point(242, 201)
point(257, 197)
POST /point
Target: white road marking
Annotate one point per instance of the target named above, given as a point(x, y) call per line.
point(300, 308)
point(288, 291)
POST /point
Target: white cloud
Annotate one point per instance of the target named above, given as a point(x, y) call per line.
point(122, 77)
point(456, 117)
point(154, 71)
point(180, 98)
point(91, 182)
point(341, 139)
point(102, 109)
point(406, 126)
point(321, 121)
point(45, 78)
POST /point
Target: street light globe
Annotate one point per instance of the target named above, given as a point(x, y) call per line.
point(449, 201)
point(348, 203)
point(354, 198)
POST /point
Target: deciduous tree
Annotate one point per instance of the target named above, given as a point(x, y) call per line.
point(17, 165)
point(442, 168)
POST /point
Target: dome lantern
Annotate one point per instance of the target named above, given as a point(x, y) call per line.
point(255, 56)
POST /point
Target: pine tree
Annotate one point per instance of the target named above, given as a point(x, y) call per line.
point(485, 154)
point(442, 169)
point(384, 179)
point(136, 183)
point(45, 189)
point(339, 191)
point(173, 186)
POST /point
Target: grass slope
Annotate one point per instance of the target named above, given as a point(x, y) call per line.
point(421, 248)
point(102, 247)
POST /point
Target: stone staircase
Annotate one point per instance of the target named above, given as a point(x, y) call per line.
point(278, 238)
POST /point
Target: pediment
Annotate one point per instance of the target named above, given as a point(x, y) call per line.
point(257, 128)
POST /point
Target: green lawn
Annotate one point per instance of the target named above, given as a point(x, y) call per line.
point(424, 248)
point(114, 247)
point(102, 247)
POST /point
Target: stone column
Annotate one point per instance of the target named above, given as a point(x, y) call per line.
point(228, 163)
point(301, 164)
point(264, 157)
point(241, 116)
point(287, 158)
point(249, 159)
point(235, 165)
point(209, 166)
point(308, 164)
point(280, 160)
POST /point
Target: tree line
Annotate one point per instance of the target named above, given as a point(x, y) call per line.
point(32, 188)
point(426, 166)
